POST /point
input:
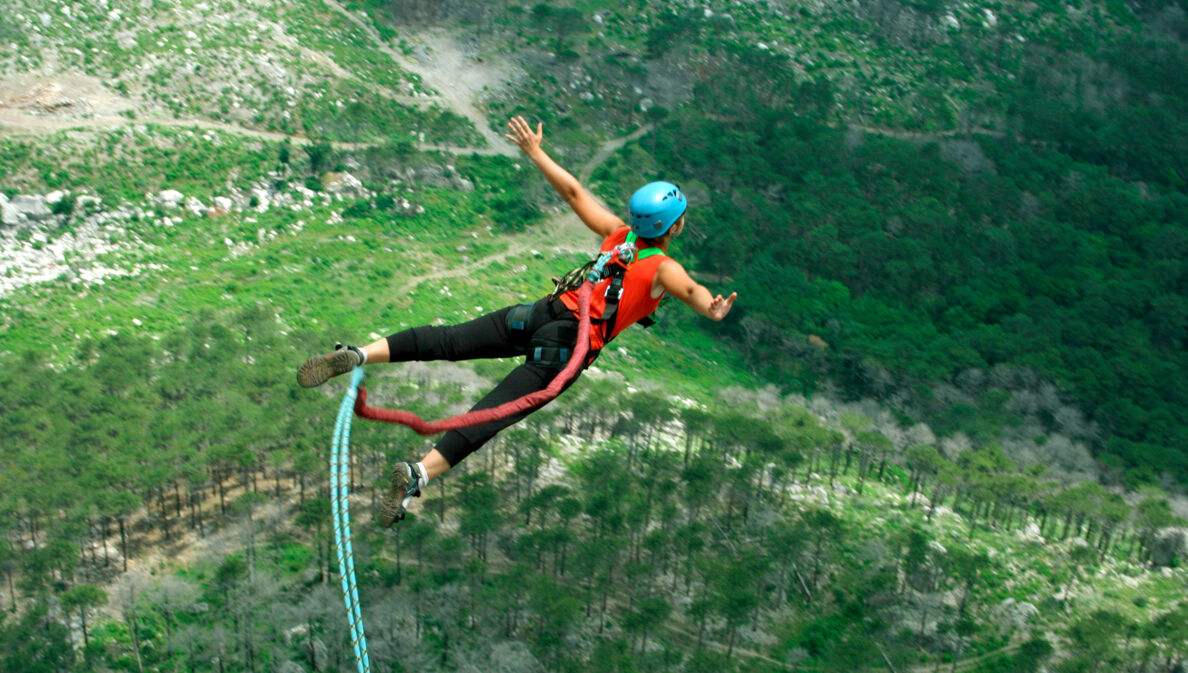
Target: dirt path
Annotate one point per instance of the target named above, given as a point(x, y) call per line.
point(459, 81)
point(608, 148)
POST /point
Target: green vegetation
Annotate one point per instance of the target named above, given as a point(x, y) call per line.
point(756, 521)
point(973, 215)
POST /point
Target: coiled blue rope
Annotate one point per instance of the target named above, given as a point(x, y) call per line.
point(340, 453)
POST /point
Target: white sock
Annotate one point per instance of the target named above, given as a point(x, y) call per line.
point(422, 482)
point(362, 357)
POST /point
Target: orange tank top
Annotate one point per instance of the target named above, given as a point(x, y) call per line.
point(636, 302)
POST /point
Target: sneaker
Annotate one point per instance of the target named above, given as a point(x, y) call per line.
point(406, 485)
point(321, 368)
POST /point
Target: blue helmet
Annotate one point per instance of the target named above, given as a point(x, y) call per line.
point(655, 207)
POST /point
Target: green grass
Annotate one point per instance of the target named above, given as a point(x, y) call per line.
point(312, 273)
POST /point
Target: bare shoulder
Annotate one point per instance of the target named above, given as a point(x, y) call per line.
point(671, 276)
point(671, 267)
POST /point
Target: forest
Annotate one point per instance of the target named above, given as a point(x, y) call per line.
point(941, 429)
point(1058, 250)
point(726, 550)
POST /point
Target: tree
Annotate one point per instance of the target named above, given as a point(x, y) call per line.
point(923, 461)
point(319, 153)
point(1151, 514)
point(733, 595)
point(83, 598)
point(825, 529)
point(1169, 630)
point(34, 643)
point(480, 510)
point(314, 514)
point(561, 21)
point(967, 569)
point(556, 611)
point(871, 446)
point(648, 615)
point(172, 594)
point(1094, 640)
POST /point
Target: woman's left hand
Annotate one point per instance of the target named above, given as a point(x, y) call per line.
point(719, 306)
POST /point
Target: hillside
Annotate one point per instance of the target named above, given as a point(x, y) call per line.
point(940, 428)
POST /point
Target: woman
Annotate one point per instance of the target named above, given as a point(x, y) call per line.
point(544, 332)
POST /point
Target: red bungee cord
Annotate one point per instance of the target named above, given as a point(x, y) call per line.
point(480, 416)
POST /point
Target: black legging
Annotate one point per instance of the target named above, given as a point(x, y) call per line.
point(549, 325)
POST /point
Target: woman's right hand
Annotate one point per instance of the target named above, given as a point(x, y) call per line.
point(523, 135)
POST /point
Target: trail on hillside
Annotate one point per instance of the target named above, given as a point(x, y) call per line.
point(608, 148)
point(459, 81)
point(19, 122)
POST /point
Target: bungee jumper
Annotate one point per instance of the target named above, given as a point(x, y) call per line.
point(623, 286)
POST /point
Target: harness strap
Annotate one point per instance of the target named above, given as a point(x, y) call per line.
point(547, 355)
point(517, 319)
point(614, 290)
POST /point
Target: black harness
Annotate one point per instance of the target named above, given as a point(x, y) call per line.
point(611, 264)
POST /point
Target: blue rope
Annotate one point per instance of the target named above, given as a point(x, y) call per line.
point(340, 451)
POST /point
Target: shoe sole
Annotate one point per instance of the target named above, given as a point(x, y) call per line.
point(321, 368)
point(393, 508)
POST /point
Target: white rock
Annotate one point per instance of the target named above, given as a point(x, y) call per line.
point(261, 199)
point(1030, 532)
point(194, 206)
point(342, 183)
point(1012, 614)
point(937, 547)
point(8, 214)
point(29, 207)
point(171, 197)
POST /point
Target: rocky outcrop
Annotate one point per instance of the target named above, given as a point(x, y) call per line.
point(1012, 615)
point(24, 208)
point(1169, 547)
point(343, 183)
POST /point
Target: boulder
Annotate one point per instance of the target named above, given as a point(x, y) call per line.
point(171, 198)
point(1011, 615)
point(88, 201)
point(8, 214)
point(443, 176)
point(343, 183)
point(298, 632)
point(194, 206)
point(1169, 547)
point(28, 207)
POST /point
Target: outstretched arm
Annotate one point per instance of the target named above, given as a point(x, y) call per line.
point(600, 220)
point(676, 281)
